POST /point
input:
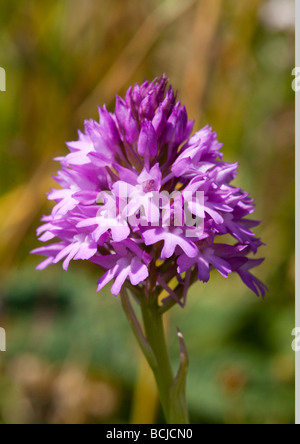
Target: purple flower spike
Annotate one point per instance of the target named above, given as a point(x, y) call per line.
point(118, 204)
point(147, 146)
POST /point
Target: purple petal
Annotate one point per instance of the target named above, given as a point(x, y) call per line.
point(139, 271)
point(147, 144)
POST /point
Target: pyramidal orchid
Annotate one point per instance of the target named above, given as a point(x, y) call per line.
point(150, 203)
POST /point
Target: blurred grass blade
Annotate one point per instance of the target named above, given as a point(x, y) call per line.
point(135, 52)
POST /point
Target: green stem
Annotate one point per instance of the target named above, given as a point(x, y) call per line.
point(137, 330)
point(163, 374)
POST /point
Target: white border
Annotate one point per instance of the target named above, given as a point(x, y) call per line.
point(297, 128)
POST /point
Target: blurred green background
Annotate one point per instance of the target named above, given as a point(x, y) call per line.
point(71, 357)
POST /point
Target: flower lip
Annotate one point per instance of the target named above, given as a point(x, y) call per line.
point(149, 186)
